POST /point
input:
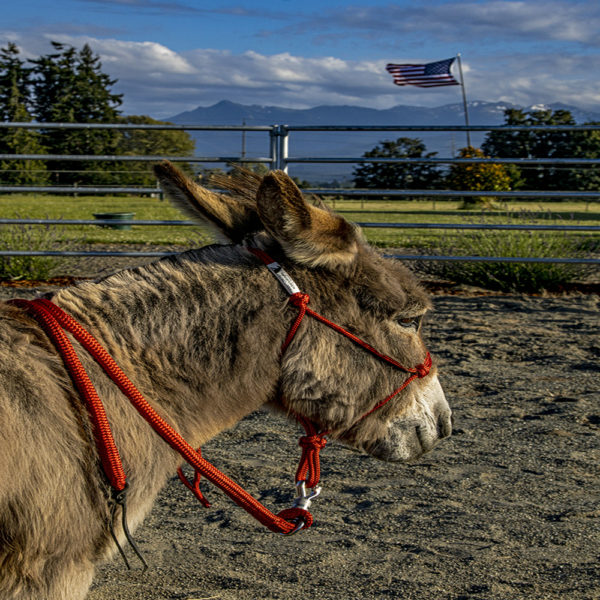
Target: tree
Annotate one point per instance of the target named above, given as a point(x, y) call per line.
point(586, 144)
point(21, 141)
point(14, 82)
point(536, 144)
point(477, 176)
point(14, 102)
point(397, 175)
point(150, 142)
point(69, 86)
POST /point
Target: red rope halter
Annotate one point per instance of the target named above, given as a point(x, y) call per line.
point(56, 322)
point(300, 301)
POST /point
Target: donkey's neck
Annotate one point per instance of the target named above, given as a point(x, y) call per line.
point(199, 334)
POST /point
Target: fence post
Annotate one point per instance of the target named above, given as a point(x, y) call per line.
point(283, 147)
point(274, 147)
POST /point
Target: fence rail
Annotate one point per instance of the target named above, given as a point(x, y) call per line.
point(415, 257)
point(464, 226)
point(279, 140)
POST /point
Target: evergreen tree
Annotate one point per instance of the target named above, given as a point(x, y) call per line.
point(14, 101)
point(70, 87)
point(14, 82)
point(536, 144)
point(397, 175)
point(94, 101)
point(54, 85)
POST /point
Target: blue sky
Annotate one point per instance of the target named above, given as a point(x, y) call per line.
point(171, 56)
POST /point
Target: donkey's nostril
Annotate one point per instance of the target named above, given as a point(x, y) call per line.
point(444, 425)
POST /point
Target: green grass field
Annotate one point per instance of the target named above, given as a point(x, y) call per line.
point(84, 207)
point(413, 211)
point(426, 211)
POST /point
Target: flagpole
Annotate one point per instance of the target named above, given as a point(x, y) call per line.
point(464, 95)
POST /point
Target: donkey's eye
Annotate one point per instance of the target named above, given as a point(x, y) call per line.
point(409, 322)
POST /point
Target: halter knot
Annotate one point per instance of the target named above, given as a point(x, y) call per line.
point(299, 300)
point(423, 369)
point(313, 442)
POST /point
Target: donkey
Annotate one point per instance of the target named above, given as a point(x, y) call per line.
point(199, 334)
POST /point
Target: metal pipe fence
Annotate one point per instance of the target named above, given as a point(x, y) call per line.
point(458, 226)
point(279, 157)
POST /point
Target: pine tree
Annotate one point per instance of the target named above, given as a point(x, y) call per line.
point(54, 85)
point(94, 101)
point(14, 102)
point(14, 82)
point(70, 87)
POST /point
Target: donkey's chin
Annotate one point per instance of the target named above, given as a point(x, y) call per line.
point(409, 437)
point(404, 443)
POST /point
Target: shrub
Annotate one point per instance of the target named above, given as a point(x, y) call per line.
point(478, 176)
point(31, 238)
point(512, 276)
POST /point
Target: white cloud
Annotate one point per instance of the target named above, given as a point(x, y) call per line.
point(546, 79)
point(158, 81)
point(553, 20)
point(131, 57)
point(300, 82)
point(151, 82)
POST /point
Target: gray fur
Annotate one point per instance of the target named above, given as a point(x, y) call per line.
point(199, 335)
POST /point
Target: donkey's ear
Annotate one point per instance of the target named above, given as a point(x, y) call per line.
point(230, 219)
point(310, 235)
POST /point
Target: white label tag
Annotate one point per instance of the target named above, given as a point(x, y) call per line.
point(289, 285)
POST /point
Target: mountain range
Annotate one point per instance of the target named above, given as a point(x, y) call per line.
point(319, 143)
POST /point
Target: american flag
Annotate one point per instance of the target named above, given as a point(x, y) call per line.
point(433, 74)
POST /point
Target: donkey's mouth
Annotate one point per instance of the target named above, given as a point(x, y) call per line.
point(408, 441)
point(400, 445)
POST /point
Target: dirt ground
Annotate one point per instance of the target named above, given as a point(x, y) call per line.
point(507, 508)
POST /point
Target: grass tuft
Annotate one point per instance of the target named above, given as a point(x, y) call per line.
point(508, 276)
point(31, 238)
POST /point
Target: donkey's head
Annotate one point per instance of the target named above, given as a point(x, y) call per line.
point(326, 377)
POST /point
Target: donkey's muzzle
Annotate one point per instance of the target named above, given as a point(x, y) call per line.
point(445, 424)
point(418, 429)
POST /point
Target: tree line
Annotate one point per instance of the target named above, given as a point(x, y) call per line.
point(497, 144)
point(69, 86)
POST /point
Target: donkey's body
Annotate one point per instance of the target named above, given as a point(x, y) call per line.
point(199, 335)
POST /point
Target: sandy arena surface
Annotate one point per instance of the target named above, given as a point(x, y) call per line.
point(506, 509)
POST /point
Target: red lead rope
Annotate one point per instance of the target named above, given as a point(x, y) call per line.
point(55, 322)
